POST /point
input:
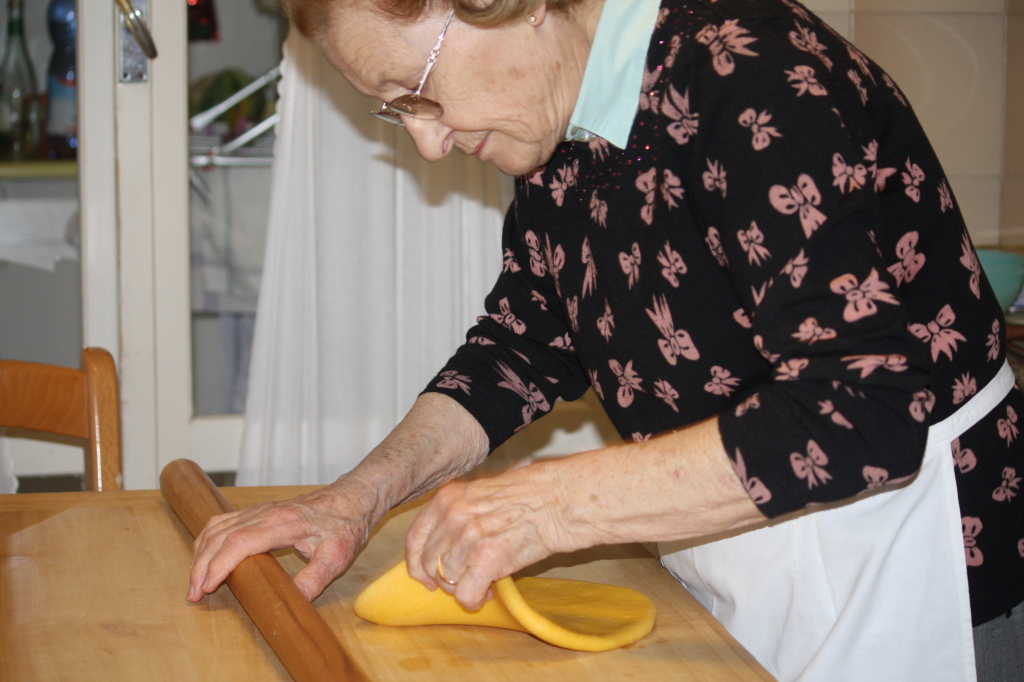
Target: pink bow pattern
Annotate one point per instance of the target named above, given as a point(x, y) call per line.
point(647, 184)
point(590, 275)
point(648, 95)
point(676, 342)
point(811, 332)
point(910, 261)
point(826, 407)
point(790, 369)
point(598, 148)
point(598, 210)
point(629, 381)
point(740, 315)
point(921, 405)
point(859, 84)
point(722, 382)
point(757, 490)
point(566, 179)
point(939, 334)
point(964, 388)
point(811, 467)
point(671, 188)
point(802, 78)
point(945, 196)
point(453, 380)
point(1008, 427)
point(506, 318)
point(715, 178)
point(895, 90)
point(751, 403)
point(796, 268)
point(880, 175)
point(861, 296)
point(964, 458)
point(572, 306)
point(848, 178)
point(538, 266)
point(630, 264)
point(912, 178)
point(764, 352)
point(724, 41)
point(665, 391)
point(806, 40)
point(867, 364)
point(714, 242)
point(564, 342)
point(684, 123)
point(861, 60)
point(797, 10)
point(972, 528)
point(672, 265)
point(876, 477)
point(969, 259)
point(758, 124)
point(994, 341)
point(510, 264)
point(802, 198)
point(555, 259)
point(752, 242)
point(595, 384)
point(535, 400)
point(1009, 487)
point(606, 322)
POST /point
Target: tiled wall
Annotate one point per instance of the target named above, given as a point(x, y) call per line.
point(950, 57)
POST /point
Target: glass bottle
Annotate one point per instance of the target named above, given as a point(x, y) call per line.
point(19, 106)
point(61, 83)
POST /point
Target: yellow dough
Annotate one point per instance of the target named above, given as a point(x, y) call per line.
point(568, 613)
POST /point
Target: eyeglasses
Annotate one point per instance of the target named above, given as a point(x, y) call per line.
point(414, 105)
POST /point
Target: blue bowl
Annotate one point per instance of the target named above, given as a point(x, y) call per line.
point(1005, 272)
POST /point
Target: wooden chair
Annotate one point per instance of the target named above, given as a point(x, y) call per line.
point(81, 403)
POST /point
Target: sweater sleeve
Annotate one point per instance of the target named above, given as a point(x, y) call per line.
point(781, 184)
point(518, 358)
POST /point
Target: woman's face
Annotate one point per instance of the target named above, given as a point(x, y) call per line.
point(507, 92)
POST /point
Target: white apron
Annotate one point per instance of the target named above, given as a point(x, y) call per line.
point(869, 591)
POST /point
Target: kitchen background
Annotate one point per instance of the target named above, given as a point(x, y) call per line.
point(960, 62)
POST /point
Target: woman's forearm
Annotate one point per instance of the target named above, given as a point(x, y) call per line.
point(677, 486)
point(438, 440)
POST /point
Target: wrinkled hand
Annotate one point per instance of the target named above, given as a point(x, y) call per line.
point(326, 526)
point(485, 530)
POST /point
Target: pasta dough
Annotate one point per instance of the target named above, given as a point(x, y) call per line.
point(567, 613)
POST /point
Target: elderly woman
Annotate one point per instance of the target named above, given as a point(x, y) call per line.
point(730, 224)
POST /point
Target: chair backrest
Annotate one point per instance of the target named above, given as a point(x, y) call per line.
point(81, 403)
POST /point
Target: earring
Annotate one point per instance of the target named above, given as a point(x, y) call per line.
point(532, 19)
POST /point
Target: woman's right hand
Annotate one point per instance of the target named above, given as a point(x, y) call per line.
point(326, 526)
point(435, 442)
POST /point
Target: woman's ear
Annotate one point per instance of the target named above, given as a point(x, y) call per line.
point(536, 17)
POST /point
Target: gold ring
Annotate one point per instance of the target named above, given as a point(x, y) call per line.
point(440, 575)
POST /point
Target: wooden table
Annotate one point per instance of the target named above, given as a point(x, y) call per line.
point(92, 587)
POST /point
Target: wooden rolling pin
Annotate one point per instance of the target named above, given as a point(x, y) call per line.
point(290, 624)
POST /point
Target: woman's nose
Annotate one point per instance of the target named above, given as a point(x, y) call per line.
point(430, 136)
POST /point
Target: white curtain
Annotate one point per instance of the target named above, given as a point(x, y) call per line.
point(376, 264)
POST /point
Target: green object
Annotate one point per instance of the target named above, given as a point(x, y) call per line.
point(19, 104)
point(213, 89)
point(1005, 272)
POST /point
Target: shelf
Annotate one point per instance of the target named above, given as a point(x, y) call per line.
point(32, 170)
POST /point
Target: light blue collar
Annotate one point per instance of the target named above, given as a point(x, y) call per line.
point(610, 93)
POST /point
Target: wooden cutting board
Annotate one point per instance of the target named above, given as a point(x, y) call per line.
point(92, 587)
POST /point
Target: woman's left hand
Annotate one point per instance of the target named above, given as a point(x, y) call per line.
point(487, 529)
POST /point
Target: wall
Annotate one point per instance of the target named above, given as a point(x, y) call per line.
point(1013, 160)
point(949, 58)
